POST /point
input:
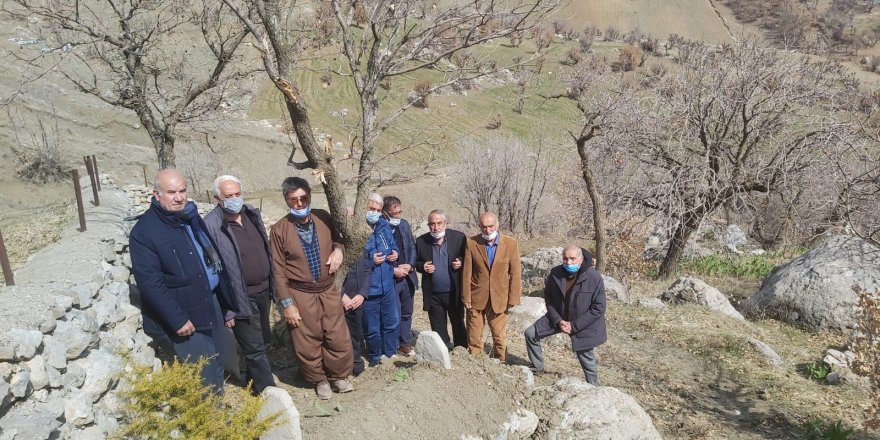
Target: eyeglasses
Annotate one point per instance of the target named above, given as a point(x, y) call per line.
point(304, 199)
point(395, 214)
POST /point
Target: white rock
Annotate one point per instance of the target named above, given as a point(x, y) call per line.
point(39, 375)
point(616, 290)
point(78, 409)
point(55, 352)
point(519, 425)
point(20, 385)
point(766, 352)
point(652, 303)
point(431, 349)
point(74, 376)
point(695, 290)
point(24, 343)
point(528, 376)
point(102, 369)
point(279, 401)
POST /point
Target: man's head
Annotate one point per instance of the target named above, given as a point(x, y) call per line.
point(297, 192)
point(374, 203)
point(572, 254)
point(488, 225)
point(169, 189)
point(437, 221)
point(392, 208)
point(227, 192)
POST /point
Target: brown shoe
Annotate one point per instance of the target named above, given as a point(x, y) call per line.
point(323, 390)
point(342, 386)
point(406, 350)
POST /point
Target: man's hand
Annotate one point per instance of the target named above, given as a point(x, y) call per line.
point(187, 329)
point(400, 272)
point(565, 327)
point(467, 306)
point(357, 301)
point(456, 263)
point(230, 323)
point(393, 256)
point(378, 258)
point(346, 302)
point(335, 260)
point(429, 267)
point(291, 316)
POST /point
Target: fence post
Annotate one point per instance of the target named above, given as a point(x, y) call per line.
point(79, 201)
point(91, 172)
point(4, 262)
point(146, 183)
point(95, 170)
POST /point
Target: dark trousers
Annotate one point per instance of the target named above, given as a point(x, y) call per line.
point(254, 336)
point(440, 308)
point(405, 294)
point(203, 344)
point(355, 323)
point(542, 329)
point(381, 319)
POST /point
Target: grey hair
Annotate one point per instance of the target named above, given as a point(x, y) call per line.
point(439, 212)
point(376, 197)
point(222, 179)
point(580, 251)
point(158, 186)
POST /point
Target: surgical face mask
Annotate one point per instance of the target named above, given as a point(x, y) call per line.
point(233, 205)
point(571, 268)
point(439, 234)
point(372, 217)
point(301, 213)
point(491, 236)
point(394, 221)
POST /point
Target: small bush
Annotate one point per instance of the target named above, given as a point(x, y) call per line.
point(573, 56)
point(173, 403)
point(818, 370)
point(585, 43)
point(611, 33)
point(494, 122)
point(39, 152)
point(423, 91)
point(631, 57)
point(817, 430)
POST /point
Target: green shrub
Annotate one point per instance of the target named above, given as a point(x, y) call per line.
point(173, 403)
point(817, 430)
point(747, 266)
point(818, 370)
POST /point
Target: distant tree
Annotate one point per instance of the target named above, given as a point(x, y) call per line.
point(128, 53)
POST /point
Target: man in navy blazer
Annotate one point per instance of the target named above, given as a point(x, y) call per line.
point(181, 278)
point(405, 281)
point(440, 254)
point(575, 296)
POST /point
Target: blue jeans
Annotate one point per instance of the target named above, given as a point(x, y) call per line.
point(381, 319)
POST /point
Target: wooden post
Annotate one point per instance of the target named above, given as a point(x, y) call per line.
point(91, 172)
point(95, 169)
point(146, 183)
point(261, 204)
point(208, 195)
point(79, 201)
point(4, 262)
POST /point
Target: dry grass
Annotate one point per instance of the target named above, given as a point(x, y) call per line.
point(27, 234)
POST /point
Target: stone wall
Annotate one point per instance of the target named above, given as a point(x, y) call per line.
point(66, 325)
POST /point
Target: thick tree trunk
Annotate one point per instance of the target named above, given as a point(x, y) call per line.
point(680, 236)
point(164, 146)
point(598, 207)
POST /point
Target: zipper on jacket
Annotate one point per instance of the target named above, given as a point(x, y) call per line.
point(179, 264)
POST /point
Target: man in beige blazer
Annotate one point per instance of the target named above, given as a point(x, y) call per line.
point(491, 284)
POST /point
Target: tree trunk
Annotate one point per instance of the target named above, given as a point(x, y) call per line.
point(598, 207)
point(164, 146)
point(680, 236)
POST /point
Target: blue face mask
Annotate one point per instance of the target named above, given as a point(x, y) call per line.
point(394, 221)
point(571, 268)
point(233, 205)
point(301, 213)
point(372, 217)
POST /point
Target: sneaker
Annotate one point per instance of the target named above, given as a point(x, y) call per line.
point(342, 386)
point(323, 390)
point(406, 350)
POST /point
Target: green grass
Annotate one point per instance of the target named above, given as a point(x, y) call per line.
point(747, 266)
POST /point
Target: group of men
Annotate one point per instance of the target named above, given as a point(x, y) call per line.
point(198, 276)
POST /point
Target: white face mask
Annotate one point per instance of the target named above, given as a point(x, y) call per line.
point(491, 236)
point(439, 234)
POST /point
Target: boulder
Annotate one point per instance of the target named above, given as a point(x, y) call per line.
point(431, 349)
point(278, 401)
point(529, 310)
point(765, 351)
point(20, 344)
point(39, 374)
point(78, 409)
point(616, 290)
point(519, 425)
point(102, 371)
point(815, 290)
point(734, 237)
point(535, 268)
point(579, 417)
point(695, 290)
point(32, 420)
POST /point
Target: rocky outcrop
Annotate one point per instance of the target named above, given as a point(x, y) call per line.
point(815, 290)
point(577, 416)
point(536, 266)
point(696, 291)
point(64, 327)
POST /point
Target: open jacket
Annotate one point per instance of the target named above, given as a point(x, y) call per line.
point(586, 305)
point(425, 252)
point(171, 277)
point(497, 287)
point(229, 250)
point(407, 252)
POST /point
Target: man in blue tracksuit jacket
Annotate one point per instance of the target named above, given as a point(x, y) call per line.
point(181, 280)
point(381, 316)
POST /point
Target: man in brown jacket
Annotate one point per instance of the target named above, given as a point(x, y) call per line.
point(491, 284)
point(306, 252)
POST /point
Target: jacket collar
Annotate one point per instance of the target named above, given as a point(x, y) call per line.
point(172, 218)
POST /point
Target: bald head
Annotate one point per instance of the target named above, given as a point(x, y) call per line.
point(169, 189)
point(573, 255)
point(488, 224)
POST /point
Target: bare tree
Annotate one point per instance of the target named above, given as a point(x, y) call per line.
point(726, 123)
point(128, 54)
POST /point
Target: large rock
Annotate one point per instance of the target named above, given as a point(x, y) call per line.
point(815, 290)
point(695, 290)
point(32, 420)
point(529, 310)
point(278, 401)
point(616, 290)
point(588, 412)
point(536, 266)
point(519, 425)
point(431, 349)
